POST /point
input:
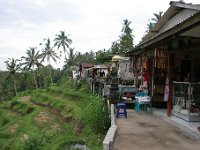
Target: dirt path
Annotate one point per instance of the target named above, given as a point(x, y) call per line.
point(144, 131)
point(26, 99)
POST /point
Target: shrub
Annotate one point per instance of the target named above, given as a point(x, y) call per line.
point(4, 121)
point(96, 116)
point(4, 135)
point(57, 105)
point(80, 85)
point(33, 142)
point(20, 107)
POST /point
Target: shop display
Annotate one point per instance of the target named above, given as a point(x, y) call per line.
point(160, 74)
point(186, 100)
point(160, 59)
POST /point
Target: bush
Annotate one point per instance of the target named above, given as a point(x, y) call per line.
point(33, 142)
point(4, 121)
point(80, 85)
point(96, 116)
point(57, 105)
point(4, 135)
point(20, 107)
point(47, 81)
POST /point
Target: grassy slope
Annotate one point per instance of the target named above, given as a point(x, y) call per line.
point(49, 118)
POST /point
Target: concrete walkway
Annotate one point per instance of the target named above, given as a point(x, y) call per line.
point(145, 131)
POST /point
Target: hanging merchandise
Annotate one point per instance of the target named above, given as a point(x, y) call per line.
point(160, 59)
point(166, 95)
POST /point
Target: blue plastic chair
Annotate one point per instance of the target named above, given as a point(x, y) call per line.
point(119, 107)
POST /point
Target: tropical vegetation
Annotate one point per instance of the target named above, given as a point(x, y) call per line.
point(53, 118)
point(154, 20)
point(42, 108)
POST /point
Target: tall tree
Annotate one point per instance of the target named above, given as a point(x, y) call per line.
point(26, 80)
point(70, 61)
point(87, 56)
point(103, 56)
point(6, 92)
point(149, 26)
point(115, 47)
point(153, 21)
point(62, 40)
point(32, 60)
point(48, 53)
point(13, 66)
point(126, 39)
point(157, 16)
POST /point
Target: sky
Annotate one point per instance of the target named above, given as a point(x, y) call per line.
point(90, 24)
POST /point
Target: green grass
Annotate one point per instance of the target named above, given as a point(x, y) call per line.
point(43, 129)
point(21, 107)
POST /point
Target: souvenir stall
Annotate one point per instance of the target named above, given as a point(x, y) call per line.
point(159, 75)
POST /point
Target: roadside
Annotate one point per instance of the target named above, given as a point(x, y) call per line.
point(145, 131)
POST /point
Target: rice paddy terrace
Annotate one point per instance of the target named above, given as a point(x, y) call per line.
point(54, 118)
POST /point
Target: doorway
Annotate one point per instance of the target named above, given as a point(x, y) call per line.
point(185, 68)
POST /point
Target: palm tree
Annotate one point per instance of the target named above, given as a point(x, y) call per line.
point(62, 40)
point(126, 39)
point(126, 27)
point(48, 53)
point(157, 16)
point(154, 20)
point(13, 67)
point(32, 60)
point(115, 47)
point(149, 26)
point(71, 60)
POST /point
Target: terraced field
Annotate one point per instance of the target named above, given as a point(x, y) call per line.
point(49, 119)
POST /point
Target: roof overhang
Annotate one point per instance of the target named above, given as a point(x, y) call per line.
point(189, 27)
point(193, 32)
point(180, 20)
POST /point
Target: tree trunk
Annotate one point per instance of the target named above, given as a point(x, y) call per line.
point(51, 76)
point(40, 78)
point(14, 83)
point(36, 85)
point(50, 73)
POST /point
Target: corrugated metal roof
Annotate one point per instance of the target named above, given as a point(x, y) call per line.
point(101, 66)
point(191, 23)
point(176, 14)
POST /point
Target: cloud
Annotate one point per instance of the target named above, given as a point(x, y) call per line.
point(37, 12)
point(92, 24)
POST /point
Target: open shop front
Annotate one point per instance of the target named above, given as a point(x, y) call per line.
point(186, 83)
point(174, 59)
point(174, 81)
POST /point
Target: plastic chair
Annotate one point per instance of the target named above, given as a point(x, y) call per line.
point(142, 100)
point(119, 107)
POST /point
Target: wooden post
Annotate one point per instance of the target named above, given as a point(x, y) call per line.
point(169, 70)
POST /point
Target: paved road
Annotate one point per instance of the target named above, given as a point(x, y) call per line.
point(145, 131)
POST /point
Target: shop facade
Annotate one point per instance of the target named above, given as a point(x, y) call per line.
point(170, 53)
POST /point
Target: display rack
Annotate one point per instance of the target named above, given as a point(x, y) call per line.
point(160, 74)
point(186, 100)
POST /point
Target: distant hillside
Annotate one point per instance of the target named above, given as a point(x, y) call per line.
point(55, 118)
